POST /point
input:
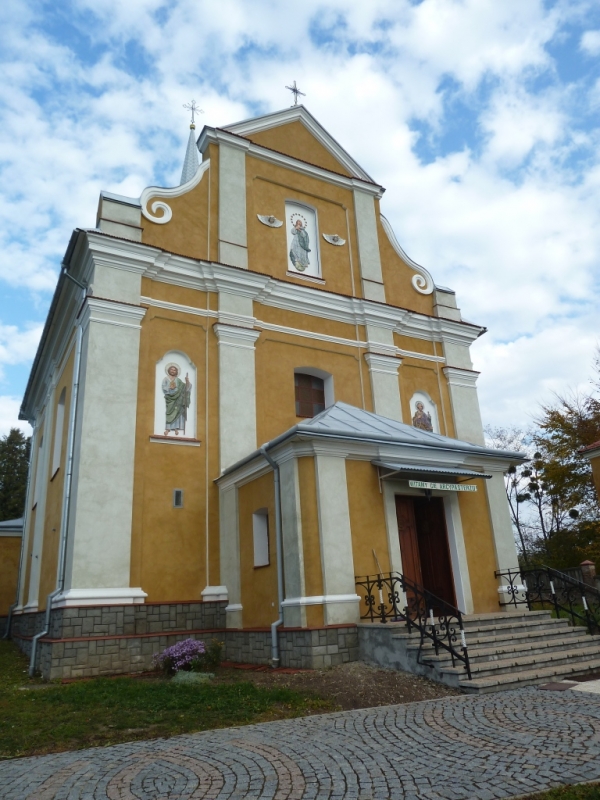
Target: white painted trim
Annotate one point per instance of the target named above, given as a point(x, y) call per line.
point(311, 278)
point(176, 191)
point(231, 609)
point(386, 365)
point(100, 597)
point(458, 554)
point(318, 600)
point(423, 282)
point(175, 440)
point(300, 114)
point(219, 136)
point(232, 336)
point(214, 593)
point(111, 312)
point(461, 377)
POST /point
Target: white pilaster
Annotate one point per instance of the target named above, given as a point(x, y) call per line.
point(458, 554)
point(504, 540)
point(336, 541)
point(293, 551)
point(229, 537)
point(384, 383)
point(233, 244)
point(99, 537)
point(237, 392)
point(465, 404)
point(368, 246)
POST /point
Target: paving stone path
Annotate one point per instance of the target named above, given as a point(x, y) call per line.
point(457, 748)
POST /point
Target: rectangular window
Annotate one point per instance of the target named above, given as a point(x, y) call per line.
point(260, 534)
point(177, 498)
point(310, 395)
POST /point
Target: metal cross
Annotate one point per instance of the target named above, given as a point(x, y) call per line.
point(295, 91)
point(194, 109)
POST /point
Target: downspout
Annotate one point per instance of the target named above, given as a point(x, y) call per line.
point(21, 556)
point(66, 505)
point(275, 658)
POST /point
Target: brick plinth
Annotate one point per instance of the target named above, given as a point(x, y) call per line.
point(108, 640)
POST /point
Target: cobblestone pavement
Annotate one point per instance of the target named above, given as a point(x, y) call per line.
point(476, 748)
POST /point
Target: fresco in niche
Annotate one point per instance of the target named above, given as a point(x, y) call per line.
point(424, 413)
point(175, 400)
point(302, 238)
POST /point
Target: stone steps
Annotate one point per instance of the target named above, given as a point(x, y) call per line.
point(505, 651)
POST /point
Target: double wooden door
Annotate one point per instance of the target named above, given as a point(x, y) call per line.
point(424, 545)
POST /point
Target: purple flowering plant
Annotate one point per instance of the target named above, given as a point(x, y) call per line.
point(185, 655)
point(189, 655)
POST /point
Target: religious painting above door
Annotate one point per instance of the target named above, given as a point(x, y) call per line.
point(424, 412)
point(302, 239)
point(174, 396)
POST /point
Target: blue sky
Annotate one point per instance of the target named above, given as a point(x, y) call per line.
point(481, 118)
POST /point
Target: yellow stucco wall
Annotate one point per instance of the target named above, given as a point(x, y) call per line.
point(311, 543)
point(367, 518)
point(54, 496)
point(187, 231)
point(10, 552)
point(259, 584)
point(397, 277)
point(277, 355)
point(295, 140)
point(168, 558)
point(479, 545)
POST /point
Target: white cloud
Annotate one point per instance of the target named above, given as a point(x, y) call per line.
point(9, 416)
point(508, 220)
point(590, 42)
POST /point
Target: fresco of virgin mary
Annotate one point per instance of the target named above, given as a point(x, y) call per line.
point(300, 246)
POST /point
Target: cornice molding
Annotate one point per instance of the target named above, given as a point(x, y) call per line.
point(111, 312)
point(466, 378)
point(232, 336)
point(219, 136)
point(387, 365)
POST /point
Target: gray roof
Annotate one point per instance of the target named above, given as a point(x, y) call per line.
point(11, 527)
point(190, 163)
point(343, 420)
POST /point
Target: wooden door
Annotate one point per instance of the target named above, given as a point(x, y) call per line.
point(434, 552)
point(409, 545)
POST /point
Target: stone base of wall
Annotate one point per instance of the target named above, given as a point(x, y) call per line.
point(109, 640)
point(299, 648)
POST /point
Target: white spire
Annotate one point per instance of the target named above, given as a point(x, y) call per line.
point(190, 164)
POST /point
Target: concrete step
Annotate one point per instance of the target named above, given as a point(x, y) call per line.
point(523, 638)
point(509, 629)
point(515, 680)
point(527, 663)
point(543, 646)
point(502, 616)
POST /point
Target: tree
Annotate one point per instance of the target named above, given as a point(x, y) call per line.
point(552, 498)
point(14, 465)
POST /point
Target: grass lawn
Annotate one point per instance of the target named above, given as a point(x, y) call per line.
point(40, 718)
point(588, 791)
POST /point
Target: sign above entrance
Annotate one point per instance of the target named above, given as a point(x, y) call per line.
point(446, 487)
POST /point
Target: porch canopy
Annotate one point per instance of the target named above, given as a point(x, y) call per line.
point(389, 444)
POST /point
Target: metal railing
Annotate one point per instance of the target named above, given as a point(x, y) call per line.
point(391, 597)
point(544, 587)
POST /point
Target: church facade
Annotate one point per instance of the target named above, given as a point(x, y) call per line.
point(246, 395)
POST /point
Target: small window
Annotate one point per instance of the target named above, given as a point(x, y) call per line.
point(177, 498)
point(58, 431)
point(310, 395)
point(260, 534)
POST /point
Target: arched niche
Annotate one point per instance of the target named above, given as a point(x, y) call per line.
point(302, 239)
point(427, 409)
point(175, 393)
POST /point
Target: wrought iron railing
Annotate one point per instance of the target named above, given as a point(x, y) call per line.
point(391, 597)
point(544, 587)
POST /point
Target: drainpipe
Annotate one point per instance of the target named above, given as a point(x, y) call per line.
point(66, 505)
point(275, 658)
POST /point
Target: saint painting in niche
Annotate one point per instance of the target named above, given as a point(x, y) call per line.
point(300, 244)
point(422, 419)
point(177, 399)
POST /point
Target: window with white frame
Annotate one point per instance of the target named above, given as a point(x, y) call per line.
point(313, 389)
point(260, 535)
